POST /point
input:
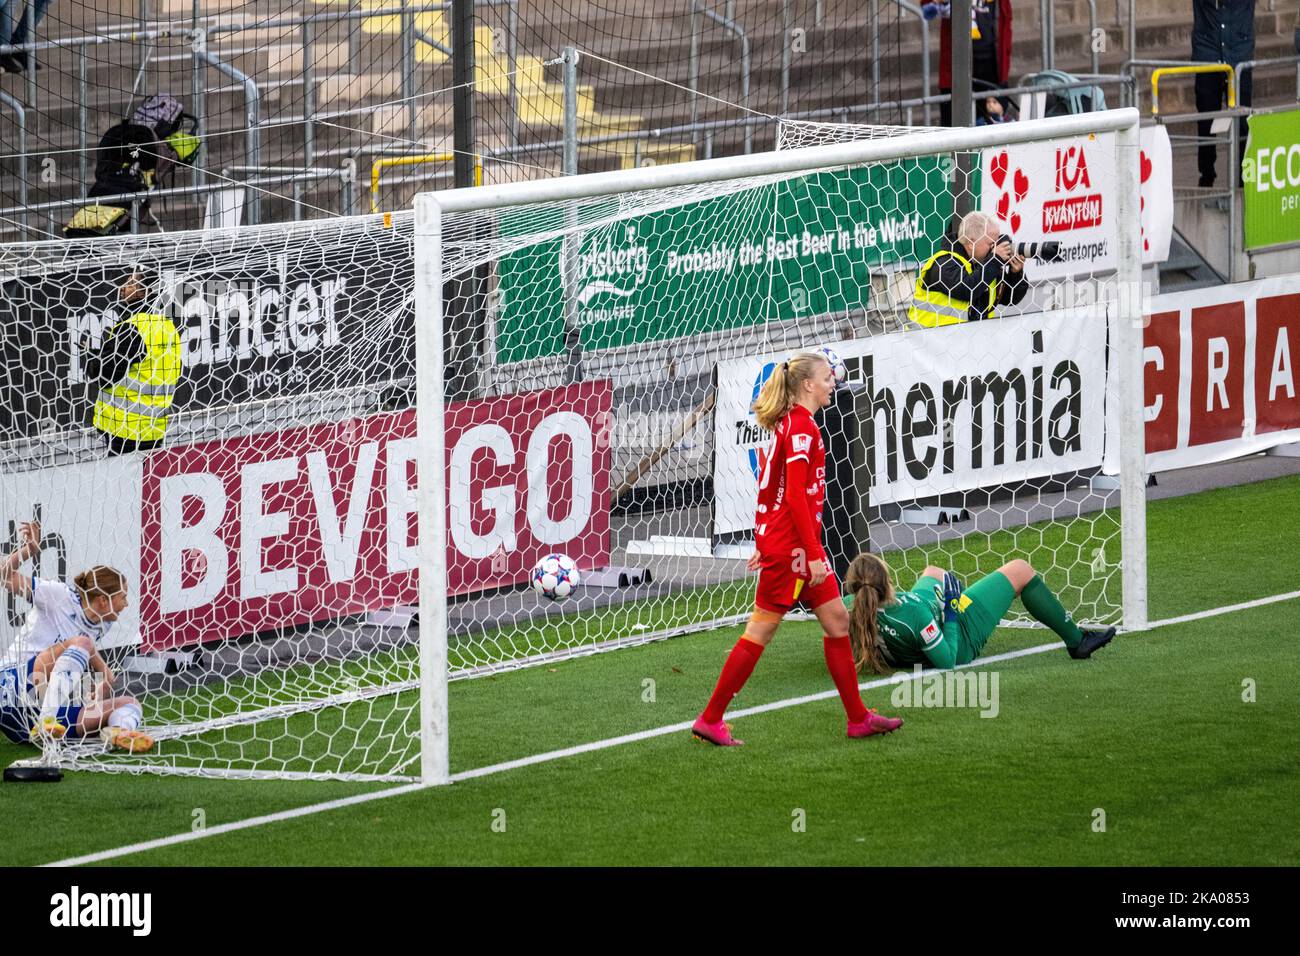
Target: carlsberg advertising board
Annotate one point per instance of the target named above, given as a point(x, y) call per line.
point(800, 246)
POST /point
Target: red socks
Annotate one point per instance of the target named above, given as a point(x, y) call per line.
point(839, 661)
point(740, 664)
point(743, 657)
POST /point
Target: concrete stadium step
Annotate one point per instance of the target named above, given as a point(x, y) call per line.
point(272, 55)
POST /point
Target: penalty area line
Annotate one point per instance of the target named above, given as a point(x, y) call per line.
point(553, 755)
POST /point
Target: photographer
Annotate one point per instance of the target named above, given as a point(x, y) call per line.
point(969, 276)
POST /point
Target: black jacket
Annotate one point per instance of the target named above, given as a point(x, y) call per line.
point(1223, 31)
point(123, 346)
point(948, 276)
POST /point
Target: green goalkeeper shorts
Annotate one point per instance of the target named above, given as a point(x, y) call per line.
point(981, 608)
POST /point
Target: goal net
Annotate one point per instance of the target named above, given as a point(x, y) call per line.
point(573, 360)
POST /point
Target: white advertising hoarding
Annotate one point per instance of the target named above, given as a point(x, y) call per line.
point(988, 403)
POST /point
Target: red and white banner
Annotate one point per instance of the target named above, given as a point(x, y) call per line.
point(1063, 190)
point(1220, 372)
point(311, 523)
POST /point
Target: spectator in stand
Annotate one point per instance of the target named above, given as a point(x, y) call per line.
point(1223, 31)
point(992, 114)
point(13, 30)
point(990, 45)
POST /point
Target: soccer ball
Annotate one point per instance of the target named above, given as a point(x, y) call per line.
point(555, 576)
point(837, 363)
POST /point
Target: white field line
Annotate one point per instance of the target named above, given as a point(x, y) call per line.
point(1226, 609)
point(550, 755)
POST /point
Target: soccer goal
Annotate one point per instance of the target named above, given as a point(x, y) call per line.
point(567, 365)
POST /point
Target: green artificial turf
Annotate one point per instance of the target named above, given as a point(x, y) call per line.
point(1153, 733)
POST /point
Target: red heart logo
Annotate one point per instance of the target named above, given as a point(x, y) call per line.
point(1003, 205)
point(998, 169)
point(1022, 185)
point(1015, 222)
point(1145, 167)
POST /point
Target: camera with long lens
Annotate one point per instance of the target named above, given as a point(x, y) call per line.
point(1046, 251)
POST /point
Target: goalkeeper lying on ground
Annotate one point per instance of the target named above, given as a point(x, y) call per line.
point(938, 623)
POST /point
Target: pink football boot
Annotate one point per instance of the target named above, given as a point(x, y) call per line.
point(873, 724)
point(719, 733)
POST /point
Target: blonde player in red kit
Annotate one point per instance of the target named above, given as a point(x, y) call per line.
point(791, 562)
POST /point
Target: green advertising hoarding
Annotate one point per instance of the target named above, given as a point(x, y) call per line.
point(1271, 173)
point(802, 246)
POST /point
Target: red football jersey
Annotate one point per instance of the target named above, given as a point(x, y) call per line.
point(797, 438)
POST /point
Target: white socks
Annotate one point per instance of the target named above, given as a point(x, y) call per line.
point(64, 677)
point(126, 717)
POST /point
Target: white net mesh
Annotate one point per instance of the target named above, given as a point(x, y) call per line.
point(795, 134)
point(600, 358)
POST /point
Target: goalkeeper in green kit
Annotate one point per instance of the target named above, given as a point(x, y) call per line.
point(939, 623)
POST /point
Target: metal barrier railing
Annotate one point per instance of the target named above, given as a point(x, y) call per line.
point(709, 128)
point(197, 34)
point(1130, 67)
point(1235, 205)
point(252, 120)
point(20, 119)
point(915, 11)
point(1234, 71)
point(699, 12)
point(1193, 70)
point(1231, 192)
point(1246, 66)
point(379, 165)
point(81, 45)
point(137, 199)
point(197, 37)
point(1047, 32)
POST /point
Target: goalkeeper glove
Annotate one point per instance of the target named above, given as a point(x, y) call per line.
point(949, 593)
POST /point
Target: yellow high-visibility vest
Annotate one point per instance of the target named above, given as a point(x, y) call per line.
point(932, 308)
point(135, 407)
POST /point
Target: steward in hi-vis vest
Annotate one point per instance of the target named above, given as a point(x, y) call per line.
point(138, 368)
point(968, 277)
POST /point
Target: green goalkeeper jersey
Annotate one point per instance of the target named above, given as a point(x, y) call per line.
point(913, 629)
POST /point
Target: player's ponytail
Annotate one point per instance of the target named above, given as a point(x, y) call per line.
point(781, 390)
point(99, 580)
point(868, 582)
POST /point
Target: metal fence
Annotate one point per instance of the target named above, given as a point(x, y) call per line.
point(194, 37)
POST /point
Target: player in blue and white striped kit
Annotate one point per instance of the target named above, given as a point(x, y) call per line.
point(40, 697)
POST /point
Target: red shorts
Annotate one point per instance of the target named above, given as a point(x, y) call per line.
point(780, 588)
